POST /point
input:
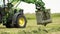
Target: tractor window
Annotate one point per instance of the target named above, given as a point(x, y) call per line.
point(1, 2)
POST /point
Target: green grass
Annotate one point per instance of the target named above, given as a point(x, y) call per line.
point(55, 15)
point(33, 16)
point(33, 28)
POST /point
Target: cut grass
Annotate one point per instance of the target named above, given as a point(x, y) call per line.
point(33, 28)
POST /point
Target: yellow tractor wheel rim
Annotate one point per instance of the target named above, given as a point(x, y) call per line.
point(21, 21)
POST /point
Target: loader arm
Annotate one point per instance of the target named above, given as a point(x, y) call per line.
point(38, 3)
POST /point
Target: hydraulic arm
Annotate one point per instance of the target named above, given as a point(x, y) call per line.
point(39, 3)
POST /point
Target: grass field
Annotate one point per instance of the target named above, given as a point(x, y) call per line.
point(33, 28)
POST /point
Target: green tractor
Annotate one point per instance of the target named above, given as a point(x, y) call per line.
point(11, 17)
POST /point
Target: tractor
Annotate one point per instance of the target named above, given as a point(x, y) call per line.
point(12, 17)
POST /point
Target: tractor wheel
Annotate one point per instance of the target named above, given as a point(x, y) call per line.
point(20, 21)
point(0, 19)
point(8, 26)
point(9, 23)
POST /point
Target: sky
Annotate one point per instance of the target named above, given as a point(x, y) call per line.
point(54, 5)
point(28, 8)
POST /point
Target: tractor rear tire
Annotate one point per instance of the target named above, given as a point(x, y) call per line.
point(8, 26)
point(0, 19)
point(20, 21)
point(9, 23)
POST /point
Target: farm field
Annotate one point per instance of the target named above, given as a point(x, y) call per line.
point(33, 28)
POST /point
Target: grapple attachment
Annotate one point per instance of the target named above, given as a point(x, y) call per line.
point(43, 18)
